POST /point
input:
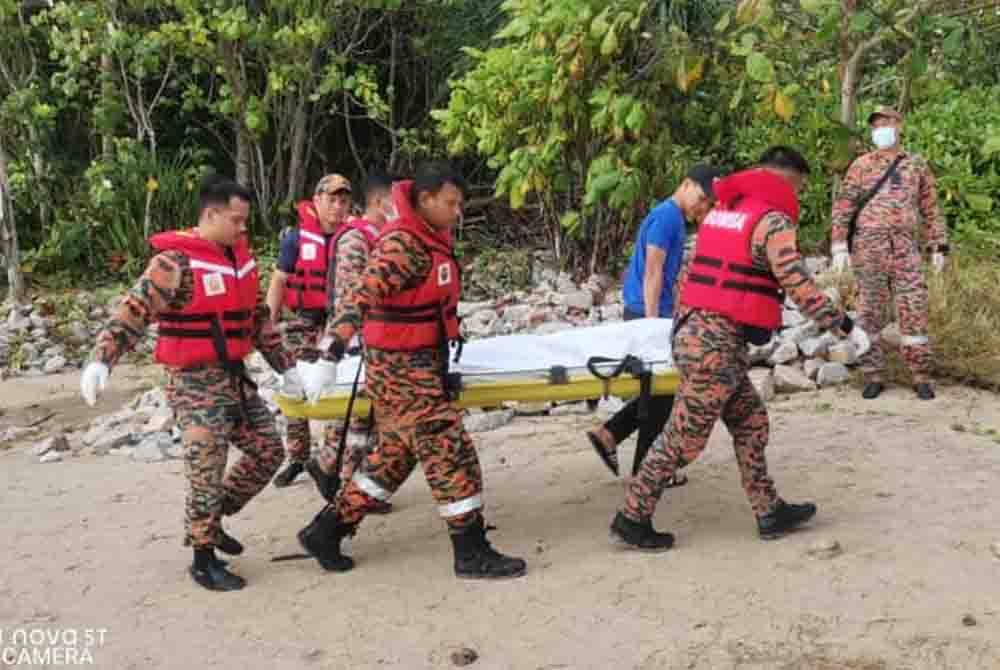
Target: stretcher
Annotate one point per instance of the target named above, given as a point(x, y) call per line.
point(614, 359)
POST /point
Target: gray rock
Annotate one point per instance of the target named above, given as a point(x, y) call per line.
point(480, 324)
point(825, 548)
point(811, 367)
point(516, 316)
point(98, 313)
point(760, 355)
point(54, 364)
point(161, 421)
point(789, 379)
point(786, 352)
point(801, 332)
point(831, 374)
point(613, 312)
point(791, 318)
point(552, 327)
point(763, 381)
point(833, 294)
point(152, 449)
point(104, 439)
point(564, 283)
point(842, 352)
point(813, 346)
point(79, 332)
point(582, 300)
point(29, 351)
point(479, 421)
point(467, 308)
point(54, 443)
point(51, 457)
point(17, 323)
point(38, 323)
point(570, 409)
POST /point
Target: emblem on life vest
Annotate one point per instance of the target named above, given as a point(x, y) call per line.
point(444, 274)
point(214, 284)
point(308, 252)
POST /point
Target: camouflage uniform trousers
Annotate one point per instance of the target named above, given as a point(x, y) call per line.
point(889, 265)
point(300, 334)
point(711, 355)
point(414, 422)
point(208, 411)
point(360, 442)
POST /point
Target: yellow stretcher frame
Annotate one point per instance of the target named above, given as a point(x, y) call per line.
point(493, 393)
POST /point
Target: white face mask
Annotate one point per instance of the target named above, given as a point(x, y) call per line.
point(884, 137)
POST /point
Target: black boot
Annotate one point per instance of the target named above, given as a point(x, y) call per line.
point(211, 573)
point(328, 485)
point(476, 559)
point(872, 390)
point(288, 475)
point(322, 537)
point(229, 544)
point(784, 518)
point(924, 391)
point(639, 535)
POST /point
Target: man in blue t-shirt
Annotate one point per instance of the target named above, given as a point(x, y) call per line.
point(648, 293)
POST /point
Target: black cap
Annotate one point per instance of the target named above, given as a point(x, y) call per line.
point(705, 176)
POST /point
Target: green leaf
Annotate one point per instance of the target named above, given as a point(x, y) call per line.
point(952, 44)
point(862, 21)
point(723, 23)
point(570, 221)
point(979, 203)
point(992, 146)
point(605, 182)
point(760, 68)
point(609, 46)
point(814, 7)
point(636, 118)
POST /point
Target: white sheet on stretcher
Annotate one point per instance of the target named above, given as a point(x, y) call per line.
point(647, 339)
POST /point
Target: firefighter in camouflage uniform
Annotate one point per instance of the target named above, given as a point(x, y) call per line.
point(201, 289)
point(298, 284)
point(407, 301)
point(896, 194)
point(745, 261)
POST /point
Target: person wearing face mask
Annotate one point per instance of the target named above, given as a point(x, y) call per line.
point(349, 249)
point(888, 195)
point(201, 289)
point(299, 284)
point(648, 292)
point(746, 261)
point(405, 304)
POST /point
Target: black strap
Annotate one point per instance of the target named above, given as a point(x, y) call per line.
point(635, 367)
point(335, 477)
point(866, 198)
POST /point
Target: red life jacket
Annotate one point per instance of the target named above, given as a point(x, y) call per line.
point(215, 327)
point(722, 277)
point(306, 288)
point(424, 317)
point(367, 228)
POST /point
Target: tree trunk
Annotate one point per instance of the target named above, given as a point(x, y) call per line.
point(297, 162)
point(8, 235)
point(108, 92)
point(243, 158)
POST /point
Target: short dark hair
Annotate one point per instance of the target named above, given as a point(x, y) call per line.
point(217, 191)
point(377, 182)
point(785, 158)
point(431, 177)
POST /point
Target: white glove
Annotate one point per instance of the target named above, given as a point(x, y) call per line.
point(93, 381)
point(859, 338)
point(841, 258)
point(318, 379)
point(937, 260)
point(291, 384)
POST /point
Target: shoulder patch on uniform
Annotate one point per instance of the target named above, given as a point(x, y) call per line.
point(213, 284)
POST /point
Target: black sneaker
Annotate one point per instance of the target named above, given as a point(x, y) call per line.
point(783, 519)
point(872, 390)
point(639, 536)
point(288, 475)
point(924, 391)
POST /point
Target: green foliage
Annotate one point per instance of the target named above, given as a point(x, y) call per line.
point(493, 273)
point(959, 134)
point(577, 110)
